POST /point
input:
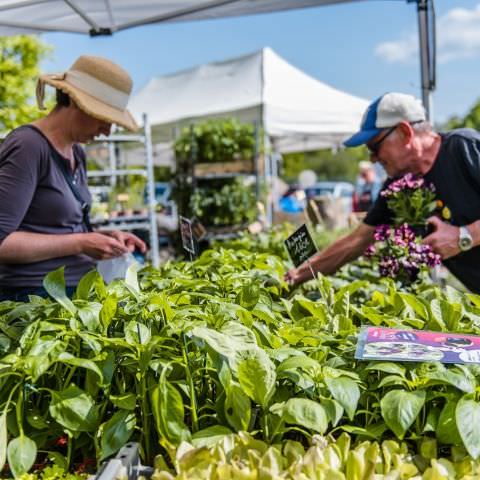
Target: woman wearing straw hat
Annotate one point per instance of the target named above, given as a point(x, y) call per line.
point(44, 198)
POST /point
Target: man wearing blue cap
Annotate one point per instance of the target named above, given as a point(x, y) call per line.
point(397, 135)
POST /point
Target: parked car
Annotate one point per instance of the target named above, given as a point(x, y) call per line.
point(341, 190)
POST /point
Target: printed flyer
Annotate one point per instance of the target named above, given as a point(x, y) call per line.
point(380, 343)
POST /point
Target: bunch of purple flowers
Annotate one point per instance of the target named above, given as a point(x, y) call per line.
point(399, 253)
point(410, 199)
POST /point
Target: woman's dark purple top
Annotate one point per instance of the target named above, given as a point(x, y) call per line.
point(35, 197)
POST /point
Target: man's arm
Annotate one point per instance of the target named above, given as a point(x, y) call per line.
point(27, 247)
point(329, 260)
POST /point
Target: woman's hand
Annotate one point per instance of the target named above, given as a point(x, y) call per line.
point(102, 247)
point(129, 240)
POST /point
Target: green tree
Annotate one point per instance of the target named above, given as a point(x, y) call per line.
point(20, 57)
point(327, 164)
point(471, 119)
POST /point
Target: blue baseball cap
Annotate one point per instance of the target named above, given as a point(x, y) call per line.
point(385, 112)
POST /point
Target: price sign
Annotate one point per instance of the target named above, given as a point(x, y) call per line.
point(300, 246)
point(199, 231)
point(187, 235)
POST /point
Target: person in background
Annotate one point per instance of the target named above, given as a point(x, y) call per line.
point(44, 197)
point(367, 187)
point(395, 131)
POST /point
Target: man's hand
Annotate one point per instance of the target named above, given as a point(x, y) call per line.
point(128, 240)
point(296, 276)
point(292, 277)
point(444, 239)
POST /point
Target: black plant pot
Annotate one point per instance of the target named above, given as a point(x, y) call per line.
point(422, 230)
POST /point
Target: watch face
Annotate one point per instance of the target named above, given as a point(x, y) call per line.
point(465, 243)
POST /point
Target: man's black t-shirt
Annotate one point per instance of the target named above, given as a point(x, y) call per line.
point(456, 177)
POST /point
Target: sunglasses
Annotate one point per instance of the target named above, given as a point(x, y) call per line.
point(374, 148)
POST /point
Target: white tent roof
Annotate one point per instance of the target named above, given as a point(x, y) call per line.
point(108, 16)
point(297, 111)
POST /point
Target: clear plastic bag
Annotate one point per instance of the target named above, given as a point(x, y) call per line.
point(115, 267)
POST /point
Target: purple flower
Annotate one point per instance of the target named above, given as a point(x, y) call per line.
point(407, 182)
point(382, 233)
point(388, 266)
point(369, 251)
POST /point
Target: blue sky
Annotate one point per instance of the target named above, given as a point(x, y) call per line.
point(365, 48)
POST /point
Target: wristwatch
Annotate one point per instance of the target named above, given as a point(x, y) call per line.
point(465, 240)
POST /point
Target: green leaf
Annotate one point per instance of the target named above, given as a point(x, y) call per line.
point(467, 415)
point(458, 377)
point(387, 367)
point(89, 316)
point(400, 409)
point(233, 337)
point(237, 407)
point(303, 412)
point(58, 459)
point(209, 436)
point(54, 284)
point(127, 401)
point(85, 285)
point(69, 359)
point(3, 438)
point(21, 453)
point(116, 432)
point(298, 361)
point(131, 278)
point(415, 304)
point(74, 409)
point(137, 333)
point(256, 374)
point(107, 313)
point(346, 392)
point(333, 410)
point(168, 411)
point(446, 428)
point(248, 296)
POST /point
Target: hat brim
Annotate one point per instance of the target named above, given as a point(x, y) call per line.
point(94, 107)
point(362, 137)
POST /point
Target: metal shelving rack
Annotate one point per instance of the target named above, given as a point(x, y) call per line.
point(134, 222)
point(204, 178)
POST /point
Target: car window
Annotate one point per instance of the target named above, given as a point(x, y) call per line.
point(320, 191)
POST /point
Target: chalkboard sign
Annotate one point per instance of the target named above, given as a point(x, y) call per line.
point(300, 246)
point(187, 236)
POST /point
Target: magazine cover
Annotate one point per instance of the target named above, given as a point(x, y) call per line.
point(380, 343)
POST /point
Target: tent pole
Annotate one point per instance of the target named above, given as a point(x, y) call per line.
point(425, 50)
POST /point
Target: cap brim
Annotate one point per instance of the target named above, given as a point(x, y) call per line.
point(94, 107)
point(362, 137)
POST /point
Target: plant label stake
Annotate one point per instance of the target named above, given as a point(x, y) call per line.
point(187, 236)
point(301, 247)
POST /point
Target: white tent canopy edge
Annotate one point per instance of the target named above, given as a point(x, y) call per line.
point(104, 17)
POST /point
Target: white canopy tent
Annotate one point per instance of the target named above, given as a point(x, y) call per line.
point(104, 17)
point(296, 111)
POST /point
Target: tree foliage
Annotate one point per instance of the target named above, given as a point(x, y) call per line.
point(327, 164)
point(20, 57)
point(470, 120)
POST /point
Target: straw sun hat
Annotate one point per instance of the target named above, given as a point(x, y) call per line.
point(99, 87)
